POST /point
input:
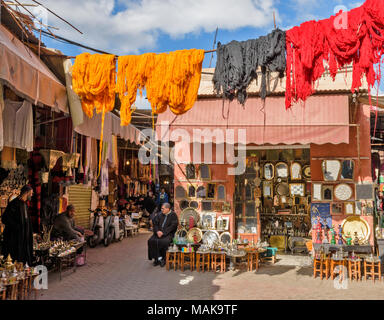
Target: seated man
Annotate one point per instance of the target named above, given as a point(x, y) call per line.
point(164, 227)
point(64, 226)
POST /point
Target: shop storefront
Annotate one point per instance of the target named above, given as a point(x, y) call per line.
point(312, 160)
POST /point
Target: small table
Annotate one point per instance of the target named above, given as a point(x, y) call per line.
point(233, 258)
point(65, 262)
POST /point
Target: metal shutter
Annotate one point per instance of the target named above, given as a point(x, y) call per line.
point(80, 196)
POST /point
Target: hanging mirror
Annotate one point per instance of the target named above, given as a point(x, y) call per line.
point(317, 192)
point(194, 204)
point(184, 204)
point(191, 171)
point(191, 191)
point(201, 192)
point(209, 220)
point(282, 189)
point(225, 238)
point(269, 171)
point(331, 170)
point(205, 172)
point(267, 189)
point(307, 172)
point(211, 191)
point(296, 171)
point(221, 192)
point(327, 193)
point(206, 206)
point(347, 170)
point(282, 170)
point(180, 192)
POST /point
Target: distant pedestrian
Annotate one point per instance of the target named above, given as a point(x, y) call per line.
point(162, 198)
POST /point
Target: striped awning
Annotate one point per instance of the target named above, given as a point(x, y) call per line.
point(322, 119)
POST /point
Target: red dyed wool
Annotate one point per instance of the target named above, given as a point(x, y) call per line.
point(316, 42)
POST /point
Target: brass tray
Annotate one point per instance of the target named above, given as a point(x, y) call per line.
point(354, 224)
point(195, 232)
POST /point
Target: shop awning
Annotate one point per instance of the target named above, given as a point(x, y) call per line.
point(323, 119)
point(92, 128)
point(27, 75)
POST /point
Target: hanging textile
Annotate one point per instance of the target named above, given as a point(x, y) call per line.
point(238, 64)
point(360, 41)
point(94, 80)
point(18, 125)
point(169, 79)
point(1, 116)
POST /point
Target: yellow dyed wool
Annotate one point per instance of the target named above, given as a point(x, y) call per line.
point(170, 80)
point(94, 80)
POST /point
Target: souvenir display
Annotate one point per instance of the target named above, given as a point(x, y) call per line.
point(337, 208)
point(331, 170)
point(343, 192)
point(208, 220)
point(181, 235)
point(205, 172)
point(225, 238)
point(269, 171)
point(187, 214)
point(297, 189)
point(194, 204)
point(283, 189)
point(183, 204)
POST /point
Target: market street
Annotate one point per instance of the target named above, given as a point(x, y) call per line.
point(122, 272)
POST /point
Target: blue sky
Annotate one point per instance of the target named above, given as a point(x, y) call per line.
point(138, 26)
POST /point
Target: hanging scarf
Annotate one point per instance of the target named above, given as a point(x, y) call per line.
point(94, 78)
point(170, 80)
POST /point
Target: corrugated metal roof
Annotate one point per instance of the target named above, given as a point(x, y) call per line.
point(325, 84)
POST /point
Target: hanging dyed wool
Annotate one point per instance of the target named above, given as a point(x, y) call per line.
point(170, 80)
point(354, 37)
point(93, 79)
point(238, 64)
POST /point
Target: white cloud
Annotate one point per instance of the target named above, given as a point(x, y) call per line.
point(139, 24)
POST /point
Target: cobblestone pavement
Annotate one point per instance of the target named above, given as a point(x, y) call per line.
point(122, 272)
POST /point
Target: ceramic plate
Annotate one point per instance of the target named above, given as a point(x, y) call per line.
point(343, 192)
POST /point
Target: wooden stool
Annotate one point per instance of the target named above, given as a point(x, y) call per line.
point(203, 261)
point(12, 291)
point(173, 257)
point(253, 260)
point(190, 261)
point(3, 293)
point(218, 260)
point(342, 263)
point(354, 269)
point(370, 267)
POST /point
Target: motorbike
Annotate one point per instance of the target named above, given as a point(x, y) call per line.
point(113, 228)
point(97, 226)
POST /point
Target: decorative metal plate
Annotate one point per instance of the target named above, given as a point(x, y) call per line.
point(355, 224)
point(194, 232)
point(210, 237)
point(186, 214)
point(181, 233)
point(282, 189)
point(343, 192)
point(184, 204)
point(225, 238)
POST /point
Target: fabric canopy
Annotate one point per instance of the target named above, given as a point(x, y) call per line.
point(27, 75)
point(92, 127)
point(323, 119)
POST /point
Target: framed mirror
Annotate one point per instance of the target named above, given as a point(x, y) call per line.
point(219, 224)
point(194, 204)
point(180, 192)
point(205, 172)
point(331, 170)
point(227, 207)
point(211, 191)
point(347, 170)
point(191, 191)
point(269, 171)
point(267, 189)
point(225, 238)
point(184, 204)
point(221, 192)
point(296, 171)
point(282, 189)
point(191, 171)
point(206, 206)
point(327, 193)
point(297, 189)
point(349, 208)
point(208, 220)
point(201, 192)
point(317, 192)
point(282, 170)
point(307, 172)
point(218, 206)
